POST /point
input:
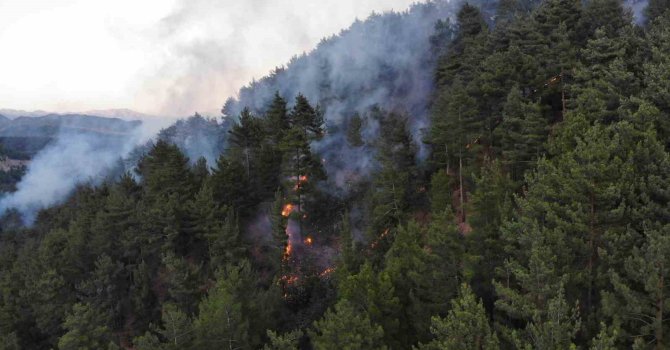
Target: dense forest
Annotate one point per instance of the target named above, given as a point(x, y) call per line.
point(538, 216)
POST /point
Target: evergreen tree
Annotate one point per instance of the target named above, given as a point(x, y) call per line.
point(354, 129)
point(466, 50)
point(85, 330)
point(375, 295)
point(639, 298)
point(656, 8)
point(277, 118)
point(165, 171)
point(288, 341)
point(105, 290)
point(345, 328)
point(491, 205)
point(466, 326)
point(246, 136)
point(422, 277)
point(229, 185)
point(221, 322)
point(183, 282)
point(554, 328)
point(656, 72)
point(523, 132)
point(393, 186)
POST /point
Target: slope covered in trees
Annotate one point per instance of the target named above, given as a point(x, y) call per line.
point(538, 218)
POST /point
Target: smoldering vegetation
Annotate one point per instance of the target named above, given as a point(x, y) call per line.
point(385, 61)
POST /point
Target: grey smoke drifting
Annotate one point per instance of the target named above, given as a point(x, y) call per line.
point(71, 159)
point(385, 61)
point(209, 48)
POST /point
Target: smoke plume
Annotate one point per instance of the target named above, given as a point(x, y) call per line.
point(72, 158)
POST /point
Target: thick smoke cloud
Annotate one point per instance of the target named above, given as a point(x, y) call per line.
point(385, 61)
point(211, 47)
point(71, 159)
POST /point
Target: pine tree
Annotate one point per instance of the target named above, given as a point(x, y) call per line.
point(277, 118)
point(393, 186)
point(491, 206)
point(225, 246)
point(375, 295)
point(246, 137)
point(606, 339)
point(440, 192)
point(105, 289)
point(656, 8)
point(523, 133)
point(465, 327)
point(221, 322)
point(287, 341)
point(86, 330)
point(602, 81)
point(639, 297)
point(345, 328)
point(424, 279)
point(354, 129)
point(165, 171)
point(608, 15)
point(466, 50)
point(656, 72)
point(302, 169)
point(230, 185)
point(183, 281)
point(350, 260)
point(200, 170)
point(554, 328)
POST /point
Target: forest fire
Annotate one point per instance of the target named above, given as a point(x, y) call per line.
point(290, 279)
point(302, 179)
point(374, 244)
point(288, 250)
point(287, 210)
point(327, 272)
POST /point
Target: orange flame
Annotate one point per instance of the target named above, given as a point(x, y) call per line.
point(289, 279)
point(289, 249)
point(301, 180)
point(309, 241)
point(327, 272)
point(381, 236)
point(288, 209)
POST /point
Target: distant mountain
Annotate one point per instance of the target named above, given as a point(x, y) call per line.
point(24, 136)
point(120, 113)
point(15, 113)
point(53, 124)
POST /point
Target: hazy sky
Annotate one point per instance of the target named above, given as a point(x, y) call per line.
point(164, 57)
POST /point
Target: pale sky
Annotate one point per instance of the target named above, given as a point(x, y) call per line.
point(162, 57)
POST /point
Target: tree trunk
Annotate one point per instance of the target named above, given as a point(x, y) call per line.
point(659, 312)
point(460, 180)
point(592, 251)
point(446, 156)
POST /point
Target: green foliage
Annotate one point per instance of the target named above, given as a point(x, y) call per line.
point(354, 130)
point(85, 330)
point(221, 320)
point(550, 130)
point(287, 341)
point(345, 328)
point(466, 326)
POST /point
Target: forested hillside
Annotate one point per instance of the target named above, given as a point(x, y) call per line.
point(526, 206)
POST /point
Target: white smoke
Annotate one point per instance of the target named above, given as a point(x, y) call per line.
point(385, 61)
point(71, 159)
